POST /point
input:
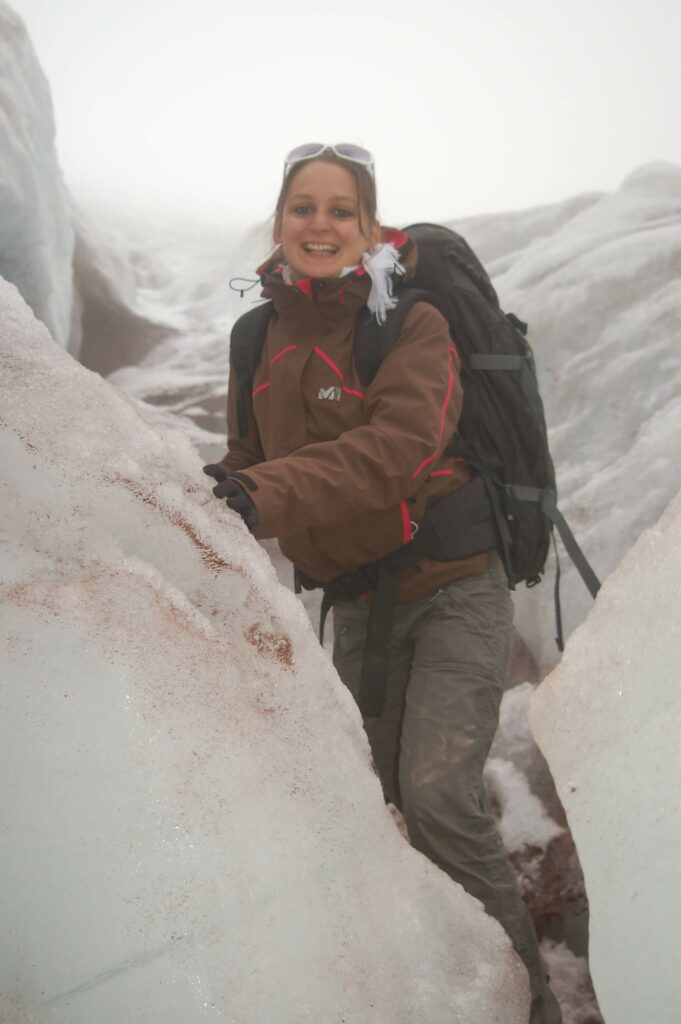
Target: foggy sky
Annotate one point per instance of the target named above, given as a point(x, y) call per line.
point(191, 106)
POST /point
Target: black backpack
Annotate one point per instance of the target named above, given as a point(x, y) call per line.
point(511, 502)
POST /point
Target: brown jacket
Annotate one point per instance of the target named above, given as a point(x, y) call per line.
point(344, 473)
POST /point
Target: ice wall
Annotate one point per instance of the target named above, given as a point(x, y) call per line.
point(36, 236)
point(192, 828)
point(601, 294)
point(155, 319)
point(608, 720)
point(118, 326)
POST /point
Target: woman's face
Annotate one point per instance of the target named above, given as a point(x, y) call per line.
point(320, 229)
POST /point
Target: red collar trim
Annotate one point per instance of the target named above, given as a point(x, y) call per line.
point(304, 285)
point(398, 238)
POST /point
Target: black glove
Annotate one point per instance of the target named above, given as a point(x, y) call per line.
point(234, 494)
point(218, 473)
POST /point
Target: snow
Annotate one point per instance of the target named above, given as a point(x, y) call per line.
point(602, 299)
point(193, 829)
point(615, 761)
point(571, 983)
point(157, 313)
point(522, 820)
point(117, 326)
point(36, 235)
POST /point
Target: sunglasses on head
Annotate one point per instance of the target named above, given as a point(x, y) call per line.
point(344, 150)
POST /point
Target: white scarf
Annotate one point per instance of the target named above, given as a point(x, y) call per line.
point(381, 264)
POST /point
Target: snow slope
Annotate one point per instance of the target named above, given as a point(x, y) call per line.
point(117, 327)
point(182, 283)
point(600, 290)
point(36, 235)
point(193, 830)
point(616, 763)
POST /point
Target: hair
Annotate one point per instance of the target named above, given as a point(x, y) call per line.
point(366, 192)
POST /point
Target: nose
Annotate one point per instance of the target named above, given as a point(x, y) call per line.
point(320, 220)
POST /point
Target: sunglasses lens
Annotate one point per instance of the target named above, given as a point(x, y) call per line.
point(352, 152)
point(304, 152)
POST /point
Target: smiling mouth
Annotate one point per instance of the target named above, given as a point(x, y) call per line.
point(320, 248)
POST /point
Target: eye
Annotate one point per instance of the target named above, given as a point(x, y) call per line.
point(342, 213)
point(301, 210)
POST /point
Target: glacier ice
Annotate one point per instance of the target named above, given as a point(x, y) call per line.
point(36, 234)
point(602, 299)
point(608, 719)
point(192, 826)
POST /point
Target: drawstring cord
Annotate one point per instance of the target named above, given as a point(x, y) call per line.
point(246, 284)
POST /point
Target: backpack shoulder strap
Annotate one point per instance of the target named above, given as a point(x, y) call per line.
point(373, 341)
point(246, 345)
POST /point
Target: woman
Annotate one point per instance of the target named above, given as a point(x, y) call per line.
point(342, 474)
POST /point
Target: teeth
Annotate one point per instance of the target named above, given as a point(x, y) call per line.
point(319, 247)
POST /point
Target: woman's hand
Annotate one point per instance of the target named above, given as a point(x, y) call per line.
point(234, 494)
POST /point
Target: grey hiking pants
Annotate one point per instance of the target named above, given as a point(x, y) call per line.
point(449, 657)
